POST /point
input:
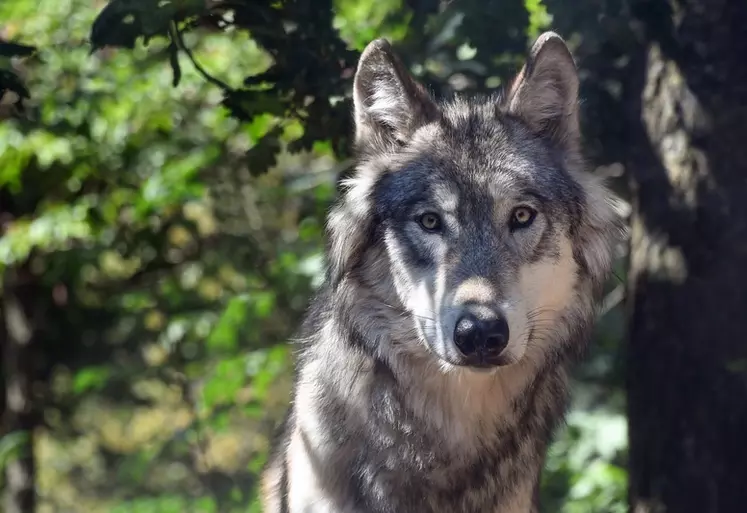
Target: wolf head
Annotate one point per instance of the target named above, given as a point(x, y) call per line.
point(477, 215)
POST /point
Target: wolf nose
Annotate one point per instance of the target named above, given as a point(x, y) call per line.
point(481, 339)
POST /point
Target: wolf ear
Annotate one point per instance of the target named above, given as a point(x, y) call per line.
point(389, 103)
point(545, 93)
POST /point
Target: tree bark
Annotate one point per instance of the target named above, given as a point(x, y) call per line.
point(17, 341)
point(687, 297)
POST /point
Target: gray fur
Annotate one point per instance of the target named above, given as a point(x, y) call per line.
point(387, 415)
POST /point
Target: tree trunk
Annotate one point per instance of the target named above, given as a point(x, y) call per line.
point(687, 350)
point(17, 340)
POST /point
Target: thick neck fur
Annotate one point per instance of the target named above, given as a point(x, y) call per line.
point(476, 440)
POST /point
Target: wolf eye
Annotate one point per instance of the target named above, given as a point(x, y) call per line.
point(522, 217)
point(430, 222)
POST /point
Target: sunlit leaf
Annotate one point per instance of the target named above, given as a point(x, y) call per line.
point(226, 380)
point(90, 378)
point(12, 446)
point(225, 333)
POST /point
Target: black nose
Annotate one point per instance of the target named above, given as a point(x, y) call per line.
point(481, 340)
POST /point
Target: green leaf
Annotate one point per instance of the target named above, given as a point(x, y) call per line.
point(12, 447)
point(55, 229)
point(161, 504)
point(225, 334)
point(90, 378)
point(539, 18)
point(229, 376)
point(205, 505)
point(275, 360)
point(264, 302)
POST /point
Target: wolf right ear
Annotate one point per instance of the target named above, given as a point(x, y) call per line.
point(545, 93)
point(389, 104)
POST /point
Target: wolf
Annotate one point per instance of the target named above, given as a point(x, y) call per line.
point(467, 255)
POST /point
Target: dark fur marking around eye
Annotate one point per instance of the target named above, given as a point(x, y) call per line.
point(535, 195)
point(417, 254)
point(397, 191)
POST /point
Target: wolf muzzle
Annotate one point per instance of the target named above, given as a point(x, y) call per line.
point(481, 334)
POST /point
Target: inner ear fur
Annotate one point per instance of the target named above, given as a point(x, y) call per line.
point(544, 95)
point(389, 103)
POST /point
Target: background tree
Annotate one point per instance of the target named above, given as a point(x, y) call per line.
point(671, 73)
point(687, 354)
point(162, 194)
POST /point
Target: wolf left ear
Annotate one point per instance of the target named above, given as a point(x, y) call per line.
point(545, 93)
point(389, 103)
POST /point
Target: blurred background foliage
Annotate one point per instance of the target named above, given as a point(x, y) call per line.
point(163, 193)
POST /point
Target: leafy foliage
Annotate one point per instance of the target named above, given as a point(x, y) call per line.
point(167, 184)
point(9, 80)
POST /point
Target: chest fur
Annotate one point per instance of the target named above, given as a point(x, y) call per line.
point(431, 456)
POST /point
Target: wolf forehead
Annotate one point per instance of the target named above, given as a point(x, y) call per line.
point(478, 154)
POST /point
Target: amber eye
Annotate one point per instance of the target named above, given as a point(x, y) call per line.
point(522, 217)
point(430, 222)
